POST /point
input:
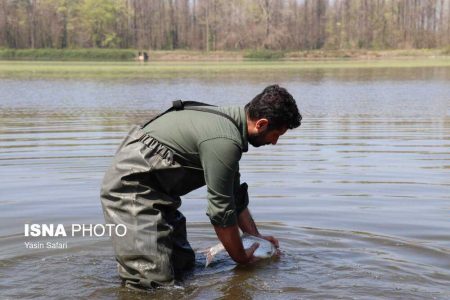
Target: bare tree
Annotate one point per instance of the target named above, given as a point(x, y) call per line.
point(225, 24)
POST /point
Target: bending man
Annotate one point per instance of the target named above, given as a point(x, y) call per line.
point(182, 149)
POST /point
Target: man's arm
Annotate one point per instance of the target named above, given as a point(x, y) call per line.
point(219, 158)
point(247, 225)
point(229, 236)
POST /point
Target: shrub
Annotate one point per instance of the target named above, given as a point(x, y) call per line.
point(264, 55)
point(446, 51)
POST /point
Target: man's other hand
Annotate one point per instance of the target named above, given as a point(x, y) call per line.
point(274, 241)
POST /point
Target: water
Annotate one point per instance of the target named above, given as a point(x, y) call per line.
point(359, 196)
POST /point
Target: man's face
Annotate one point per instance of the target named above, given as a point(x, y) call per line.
point(265, 137)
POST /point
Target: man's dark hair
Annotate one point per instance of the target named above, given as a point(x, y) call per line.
point(276, 105)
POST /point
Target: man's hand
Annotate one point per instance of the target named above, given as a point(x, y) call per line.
point(274, 241)
point(231, 240)
point(271, 239)
point(247, 225)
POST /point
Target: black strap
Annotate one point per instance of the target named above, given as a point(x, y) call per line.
point(192, 105)
point(176, 105)
point(213, 112)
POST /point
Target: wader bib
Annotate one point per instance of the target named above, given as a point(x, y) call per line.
point(136, 193)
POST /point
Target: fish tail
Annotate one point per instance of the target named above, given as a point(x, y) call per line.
point(209, 258)
point(203, 251)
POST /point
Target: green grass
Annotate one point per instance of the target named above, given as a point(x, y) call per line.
point(155, 70)
point(68, 54)
point(446, 51)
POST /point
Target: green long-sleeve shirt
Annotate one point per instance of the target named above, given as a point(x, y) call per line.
point(209, 147)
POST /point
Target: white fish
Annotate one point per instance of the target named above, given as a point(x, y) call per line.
point(265, 250)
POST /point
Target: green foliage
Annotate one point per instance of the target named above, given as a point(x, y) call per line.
point(7, 53)
point(446, 51)
point(110, 40)
point(68, 54)
point(264, 55)
point(99, 17)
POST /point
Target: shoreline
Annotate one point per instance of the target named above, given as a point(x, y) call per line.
point(130, 55)
point(300, 56)
point(202, 69)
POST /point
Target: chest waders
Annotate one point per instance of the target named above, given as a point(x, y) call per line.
point(136, 193)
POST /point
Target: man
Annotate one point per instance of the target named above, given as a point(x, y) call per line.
point(186, 147)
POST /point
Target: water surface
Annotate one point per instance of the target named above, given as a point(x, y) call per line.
point(359, 195)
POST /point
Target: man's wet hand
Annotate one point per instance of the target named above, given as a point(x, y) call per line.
point(274, 241)
point(271, 239)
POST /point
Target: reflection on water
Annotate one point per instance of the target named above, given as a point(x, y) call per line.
point(358, 196)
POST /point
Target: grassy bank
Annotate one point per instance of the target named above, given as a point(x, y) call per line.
point(68, 54)
point(161, 70)
point(188, 55)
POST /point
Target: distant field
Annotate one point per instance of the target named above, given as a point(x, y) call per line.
point(34, 69)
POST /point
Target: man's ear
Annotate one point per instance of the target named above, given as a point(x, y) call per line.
point(262, 124)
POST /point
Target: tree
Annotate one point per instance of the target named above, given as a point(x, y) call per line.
point(225, 24)
point(99, 18)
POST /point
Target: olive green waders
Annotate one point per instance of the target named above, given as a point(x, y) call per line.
point(155, 241)
point(141, 190)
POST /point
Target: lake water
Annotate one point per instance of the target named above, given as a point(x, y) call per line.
point(359, 195)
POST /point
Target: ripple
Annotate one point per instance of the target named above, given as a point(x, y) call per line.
point(358, 196)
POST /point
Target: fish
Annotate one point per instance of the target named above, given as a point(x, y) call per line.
point(265, 250)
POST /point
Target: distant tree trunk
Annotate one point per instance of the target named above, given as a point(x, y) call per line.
point(194, 24)
point(266, 11)
point(207, 25)
point(32, 22)
point(133, 23)
point(3, 25)
point(64, 32)
point(448, 23)
point(173, 31)
point(320, 23)
point(305, 25)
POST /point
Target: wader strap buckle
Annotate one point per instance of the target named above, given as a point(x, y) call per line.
point(177, 104)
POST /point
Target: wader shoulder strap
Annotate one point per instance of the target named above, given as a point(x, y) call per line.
point(213, 111)
point(192, 105)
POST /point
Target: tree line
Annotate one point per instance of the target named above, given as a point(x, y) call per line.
point(210, 25)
